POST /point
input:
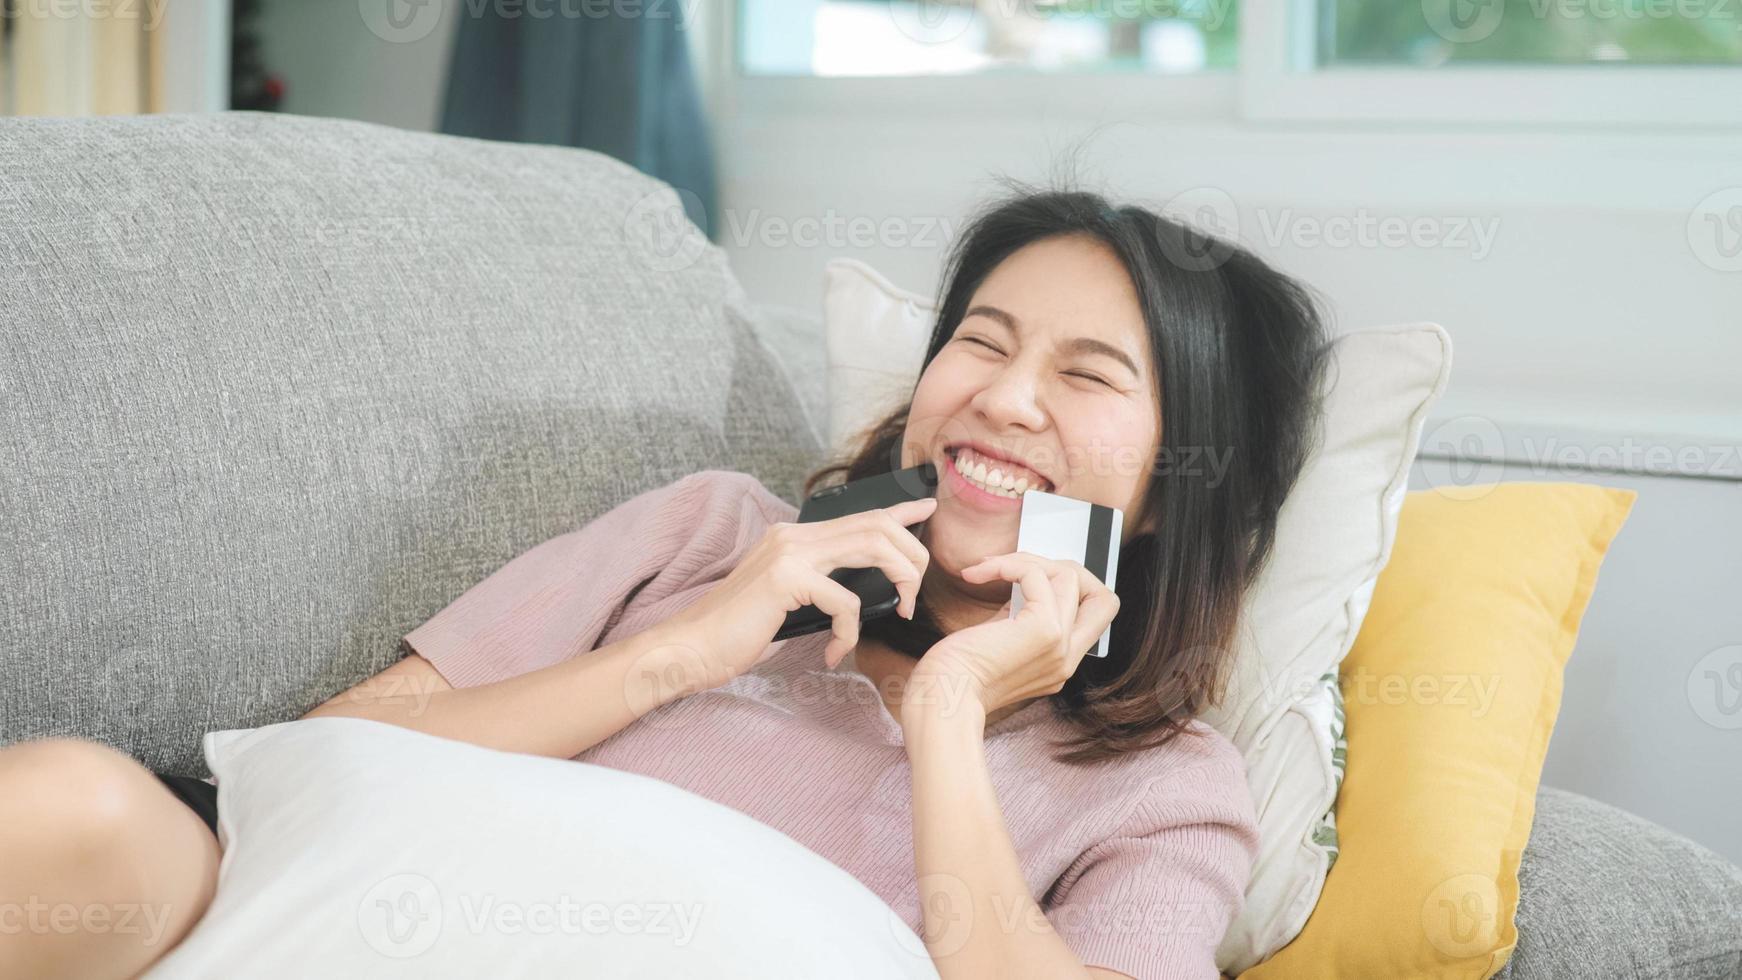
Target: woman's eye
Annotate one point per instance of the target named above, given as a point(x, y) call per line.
point(982, 343)
point(1089, 377)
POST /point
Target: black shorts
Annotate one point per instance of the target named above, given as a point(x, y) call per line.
point(200, 796)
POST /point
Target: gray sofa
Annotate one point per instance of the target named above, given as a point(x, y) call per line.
point(277, 389)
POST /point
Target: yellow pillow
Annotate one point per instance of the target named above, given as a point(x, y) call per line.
point(1451, 691)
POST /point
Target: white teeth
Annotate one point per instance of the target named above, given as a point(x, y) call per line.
point(993, 480)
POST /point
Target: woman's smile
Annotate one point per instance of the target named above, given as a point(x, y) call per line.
point(972, 490)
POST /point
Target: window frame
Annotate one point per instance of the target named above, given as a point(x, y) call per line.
point(1277, 81)
point(1281, 81)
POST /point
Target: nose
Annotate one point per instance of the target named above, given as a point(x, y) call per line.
point(1009, 399)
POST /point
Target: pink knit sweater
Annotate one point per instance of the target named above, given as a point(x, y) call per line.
point(1138, 862)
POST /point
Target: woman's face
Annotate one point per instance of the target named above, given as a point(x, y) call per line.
point(1049, 368)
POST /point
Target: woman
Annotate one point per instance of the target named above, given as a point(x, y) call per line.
point(1029, 811)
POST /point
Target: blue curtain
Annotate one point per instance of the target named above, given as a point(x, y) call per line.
point(619, 85)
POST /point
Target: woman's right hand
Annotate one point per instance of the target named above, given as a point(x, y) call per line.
point(734, 623)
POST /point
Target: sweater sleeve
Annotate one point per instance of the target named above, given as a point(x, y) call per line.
point(1154, 900)
point(556, 600)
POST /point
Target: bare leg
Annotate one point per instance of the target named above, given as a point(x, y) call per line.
point(102, 869)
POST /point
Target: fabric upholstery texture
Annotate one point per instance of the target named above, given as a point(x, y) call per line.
point(276, 389)
point(1604, 893)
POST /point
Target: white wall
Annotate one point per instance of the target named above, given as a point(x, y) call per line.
point(1590, 308)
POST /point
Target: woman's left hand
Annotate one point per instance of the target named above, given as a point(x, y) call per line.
point(1008, 659)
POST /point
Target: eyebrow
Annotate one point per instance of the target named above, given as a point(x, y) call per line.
point(1076, 345)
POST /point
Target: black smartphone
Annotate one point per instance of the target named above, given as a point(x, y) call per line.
point(877, 595)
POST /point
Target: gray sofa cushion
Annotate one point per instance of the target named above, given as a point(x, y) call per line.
point(276, 389)
point(1603, 893)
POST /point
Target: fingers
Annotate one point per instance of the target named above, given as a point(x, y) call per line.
point(877, 539)
point(1085, 605)
point(1039, 595)
point(842, 607)
point(1030, 573)
point(1086, 581)
point(1093, 617)
point(911, 511)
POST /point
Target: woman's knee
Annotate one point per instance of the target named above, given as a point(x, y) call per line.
point(71, 791)
point(89, 834)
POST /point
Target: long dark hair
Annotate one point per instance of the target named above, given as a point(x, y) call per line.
point(1240, 351)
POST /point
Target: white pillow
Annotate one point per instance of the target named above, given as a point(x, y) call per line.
point(354, 848)
point(1333, 537)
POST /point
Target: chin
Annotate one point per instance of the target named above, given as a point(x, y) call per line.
point(954, 547)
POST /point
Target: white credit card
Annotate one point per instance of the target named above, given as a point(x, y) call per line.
point(1055, 526)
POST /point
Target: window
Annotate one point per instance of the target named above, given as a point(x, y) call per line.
point(1430, 33)
point(1425, 62)
point(932, 37)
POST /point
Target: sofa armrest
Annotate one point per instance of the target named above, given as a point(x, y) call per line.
point(1604, 893)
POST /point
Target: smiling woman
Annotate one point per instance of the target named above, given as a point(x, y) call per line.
point(1107, 353)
